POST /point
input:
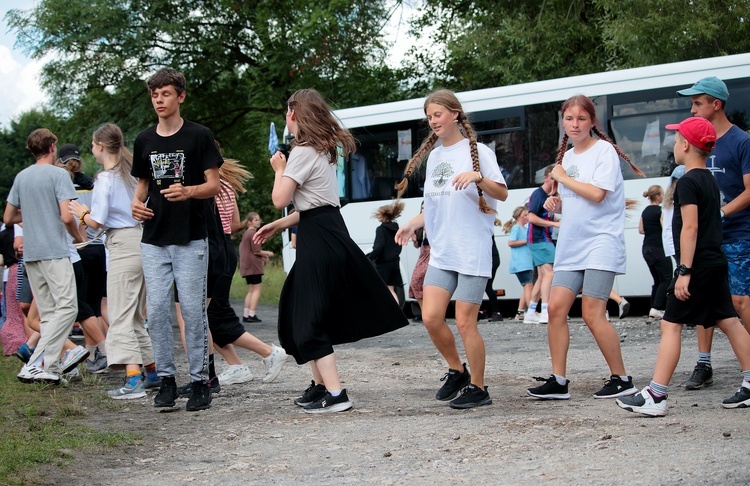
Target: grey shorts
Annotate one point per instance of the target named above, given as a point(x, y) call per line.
point(465, 288)
point(592, 283)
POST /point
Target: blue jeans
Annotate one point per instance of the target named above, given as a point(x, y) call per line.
point(185, 266)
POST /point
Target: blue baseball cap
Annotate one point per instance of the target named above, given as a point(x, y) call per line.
point(678, 172)
point(711, 86)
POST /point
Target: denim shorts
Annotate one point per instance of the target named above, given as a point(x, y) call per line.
point(592, 283)
point(738, 257)
point(464, 288)
point(526, 277)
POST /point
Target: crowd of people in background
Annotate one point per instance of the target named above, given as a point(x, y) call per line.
point(110, 255)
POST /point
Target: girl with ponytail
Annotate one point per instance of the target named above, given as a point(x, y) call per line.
point(590, 247)
point(463, 184)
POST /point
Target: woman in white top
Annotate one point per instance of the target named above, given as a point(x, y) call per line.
point(590, 247)
point(460, 172)
point(332, 279)
point(128, 342)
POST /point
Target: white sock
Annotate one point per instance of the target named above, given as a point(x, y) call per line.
point(102, 347)
point(544, 307)
point(92, 350)
point(245, 312)
point(560, 379)
point(251, 313)
point(334, 393)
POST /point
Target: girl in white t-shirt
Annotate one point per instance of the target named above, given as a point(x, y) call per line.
point(590, 247)
point(128, 343)
point(460, 221)
point(332, 279)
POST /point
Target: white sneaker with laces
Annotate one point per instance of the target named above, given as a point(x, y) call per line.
point(531, 318)
point(543, 317)
point(644, 403)
point(34, 373)
point(624, 308)
point(274, 363)
point(235, 374)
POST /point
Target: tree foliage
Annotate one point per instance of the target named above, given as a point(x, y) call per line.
point(474, 45)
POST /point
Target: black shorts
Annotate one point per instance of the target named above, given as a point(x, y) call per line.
point(254, 279)
point(710, 299)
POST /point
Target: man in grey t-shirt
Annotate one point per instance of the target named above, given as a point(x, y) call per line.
point(43, 192)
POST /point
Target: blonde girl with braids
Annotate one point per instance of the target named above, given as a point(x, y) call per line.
point(652, 250)
point(128, 343)
point(521, 262)
point(331, 279)
point(463, 184)
point(590, 247)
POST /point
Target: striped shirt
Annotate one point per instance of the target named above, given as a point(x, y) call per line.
point(225, 201)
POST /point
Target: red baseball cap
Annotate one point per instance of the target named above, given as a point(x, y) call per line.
point(696, 130)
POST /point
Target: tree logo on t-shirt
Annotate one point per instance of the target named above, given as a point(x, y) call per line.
point(441, 174)
point(573, 171)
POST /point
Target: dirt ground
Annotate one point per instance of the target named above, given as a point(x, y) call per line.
point(398, 433)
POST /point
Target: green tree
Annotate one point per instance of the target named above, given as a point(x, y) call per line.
point(474, 45)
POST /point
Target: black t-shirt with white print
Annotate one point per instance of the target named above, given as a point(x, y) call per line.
point(182, 157)
point(699, 187)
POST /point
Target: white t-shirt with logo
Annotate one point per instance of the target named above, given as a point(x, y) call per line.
point(592, 235)
point(460, 234)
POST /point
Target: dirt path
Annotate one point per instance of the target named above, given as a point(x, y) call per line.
point(399, 434)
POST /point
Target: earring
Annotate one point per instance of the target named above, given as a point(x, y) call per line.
point(455, 120)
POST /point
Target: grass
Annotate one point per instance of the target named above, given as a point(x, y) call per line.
point(46, 424)
point(273, 280)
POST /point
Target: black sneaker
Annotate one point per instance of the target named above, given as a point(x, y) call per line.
point(741, 399)
point(551, 390)
point(329, 404)
point(251, 319)
point(472, 396)
point(617, 387)
point(215, 385)
point(455, 381)
point(496, 317)
point(200, 398)
point(703, 375)
point(312, 394)
point(167, 392)
point(185, 390)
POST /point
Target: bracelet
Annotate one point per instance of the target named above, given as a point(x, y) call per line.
point(83, 216)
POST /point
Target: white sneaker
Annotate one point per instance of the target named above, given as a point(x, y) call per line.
point(543, 317)
point(531, 318)
point(34, 373)
point(644, 403)
point(655, 314)
point(624, 308)
point(235, 374)
point(72, 358)
point(606, 314)
point(274, 363)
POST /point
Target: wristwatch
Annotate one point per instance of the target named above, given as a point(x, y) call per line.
point(682, 270)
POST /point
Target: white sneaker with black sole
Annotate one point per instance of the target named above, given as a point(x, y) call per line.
point(34, 373)
point(644, 403)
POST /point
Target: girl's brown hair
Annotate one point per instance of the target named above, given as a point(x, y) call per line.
point(390, 211)
point(317, 127)
point(653, 192)
point(516, 214)
point(588, 106)
point(447, 99)
point(110, 136)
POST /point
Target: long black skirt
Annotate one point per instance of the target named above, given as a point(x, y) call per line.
point(333, 294)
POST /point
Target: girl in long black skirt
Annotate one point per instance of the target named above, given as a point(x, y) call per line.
point(332, 279)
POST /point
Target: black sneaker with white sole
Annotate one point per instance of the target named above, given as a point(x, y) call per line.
point(741, 399)
point(551, 390)
point(472, 396)
point(313, 393)
point(455, 381)
point(616, 387)
point(200, 398)
point(329, 404)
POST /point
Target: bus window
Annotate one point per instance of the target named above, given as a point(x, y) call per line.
point(638, 129)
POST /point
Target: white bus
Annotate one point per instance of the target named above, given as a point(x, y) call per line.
point(521, 124)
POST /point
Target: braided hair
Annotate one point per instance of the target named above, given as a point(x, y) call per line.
point(588, 106)
point(448, 100)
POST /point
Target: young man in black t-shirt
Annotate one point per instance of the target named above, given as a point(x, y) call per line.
point(699, 293)
point(177, 166)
